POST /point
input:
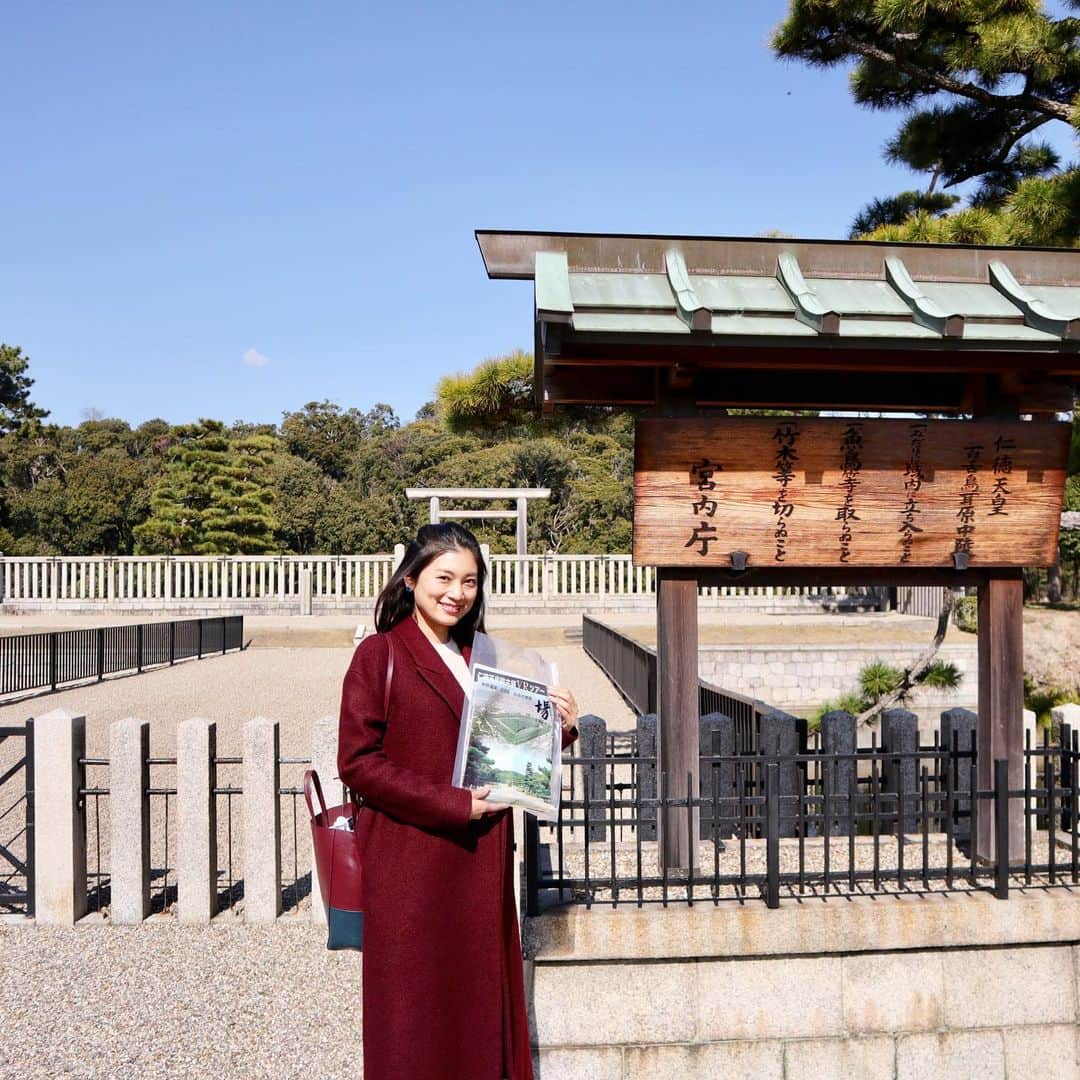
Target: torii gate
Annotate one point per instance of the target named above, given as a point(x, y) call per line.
point(685, 327)
point(521, 495)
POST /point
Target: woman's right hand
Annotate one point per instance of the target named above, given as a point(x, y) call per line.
point(480, 805)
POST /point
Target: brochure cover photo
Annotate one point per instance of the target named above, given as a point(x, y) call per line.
point(511, 741)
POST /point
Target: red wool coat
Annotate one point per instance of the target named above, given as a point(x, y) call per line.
point(443, 992)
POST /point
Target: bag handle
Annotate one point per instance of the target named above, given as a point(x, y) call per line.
point(311, 782)
point(389, 676)
point(311, 777)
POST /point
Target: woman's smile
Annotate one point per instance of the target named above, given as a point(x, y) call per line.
point(443, 592)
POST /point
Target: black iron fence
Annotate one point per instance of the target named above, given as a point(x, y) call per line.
point(17, 819)
point(631, 667)
point(866, 822)
point(54, 659)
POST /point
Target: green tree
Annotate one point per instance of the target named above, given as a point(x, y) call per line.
point(975, 81)
point(214, 497)
point(331, 436)
point(498, 393)
point(16, 408)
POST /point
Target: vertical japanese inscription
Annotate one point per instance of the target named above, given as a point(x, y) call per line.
point(704, 505)
point(851, 446)
point(786, 437)
point(1003, 466)
point(913, 482)
point(965, 529)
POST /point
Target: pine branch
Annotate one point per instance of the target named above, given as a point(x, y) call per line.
point(1026, 101)
point(914, 674)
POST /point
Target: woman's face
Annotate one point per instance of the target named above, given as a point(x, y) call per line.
point(444, 591)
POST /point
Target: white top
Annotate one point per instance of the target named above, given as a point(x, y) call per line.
point(451, 656)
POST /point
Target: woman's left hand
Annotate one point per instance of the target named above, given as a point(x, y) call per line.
point(566, 706)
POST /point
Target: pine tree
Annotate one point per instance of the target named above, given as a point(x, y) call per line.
point(976, 80)
point(214, 497)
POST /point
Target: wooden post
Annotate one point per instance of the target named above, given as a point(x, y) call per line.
point(677, 708)
point(1001, 702)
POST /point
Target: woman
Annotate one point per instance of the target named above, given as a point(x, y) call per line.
point(443, 994)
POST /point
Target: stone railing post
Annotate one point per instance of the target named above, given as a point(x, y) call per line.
point(129, 821)
point(324, 748)
point(59, 818)
point(485, 554)
point(592, 743)
point(782, 737)
point(900, 736)
point(3, 578)
point(305, 591)
point(196, 803)
point(838, 736)
point(262, 821)
point(716, 738)
point(957, 734)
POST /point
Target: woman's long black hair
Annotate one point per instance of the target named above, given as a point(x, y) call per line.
point(396, 603)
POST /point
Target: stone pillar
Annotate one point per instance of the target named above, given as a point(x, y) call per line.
point(717, 739)
point(262, 822)
point(958, 727)
point(324, 748)
point(399, 556)
point(592, 743)
point(59, 819)
point(1067, 719)
point(780, 737)
point(646, 773)
point(900, 735)
point(838, 737)
point(196, 806)
point(305, 592)
point(129, 821)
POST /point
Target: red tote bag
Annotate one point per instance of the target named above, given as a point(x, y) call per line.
point(337, 862)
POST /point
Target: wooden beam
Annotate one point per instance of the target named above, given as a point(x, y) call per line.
point(677, 714)
point(1001, 704)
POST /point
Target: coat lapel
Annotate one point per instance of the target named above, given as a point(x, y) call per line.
point(430, 667)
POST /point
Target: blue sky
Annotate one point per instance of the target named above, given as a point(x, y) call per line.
point(229, 210)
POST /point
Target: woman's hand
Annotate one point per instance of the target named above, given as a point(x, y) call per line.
point(566, 706)
point(480, 805)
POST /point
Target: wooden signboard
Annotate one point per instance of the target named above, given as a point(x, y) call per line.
point(793, 492)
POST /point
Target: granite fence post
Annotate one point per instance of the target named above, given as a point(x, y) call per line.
point(1034, 737)
point(717, 779)
point(196, 811)
point(129, 821)
point(1066, 718)
point(781, 737)
point(646, 776)
point(900, 735)
point(324, 748)
point(305, 592)
point(958, 727)
point(838, 776)
point(59, 819)
point(262, 821)
point(592, 743)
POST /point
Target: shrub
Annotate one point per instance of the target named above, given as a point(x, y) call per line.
point(966, 614)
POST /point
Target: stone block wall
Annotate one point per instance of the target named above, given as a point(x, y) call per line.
point(797, 678)
point(906, 988)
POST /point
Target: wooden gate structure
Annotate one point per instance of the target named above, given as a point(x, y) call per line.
point(968, 355)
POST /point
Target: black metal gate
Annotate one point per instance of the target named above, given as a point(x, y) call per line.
point(17, 819)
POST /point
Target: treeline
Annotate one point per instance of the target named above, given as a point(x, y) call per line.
point(327, 479)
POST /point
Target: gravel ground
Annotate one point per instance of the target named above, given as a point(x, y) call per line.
point(162, 1000)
